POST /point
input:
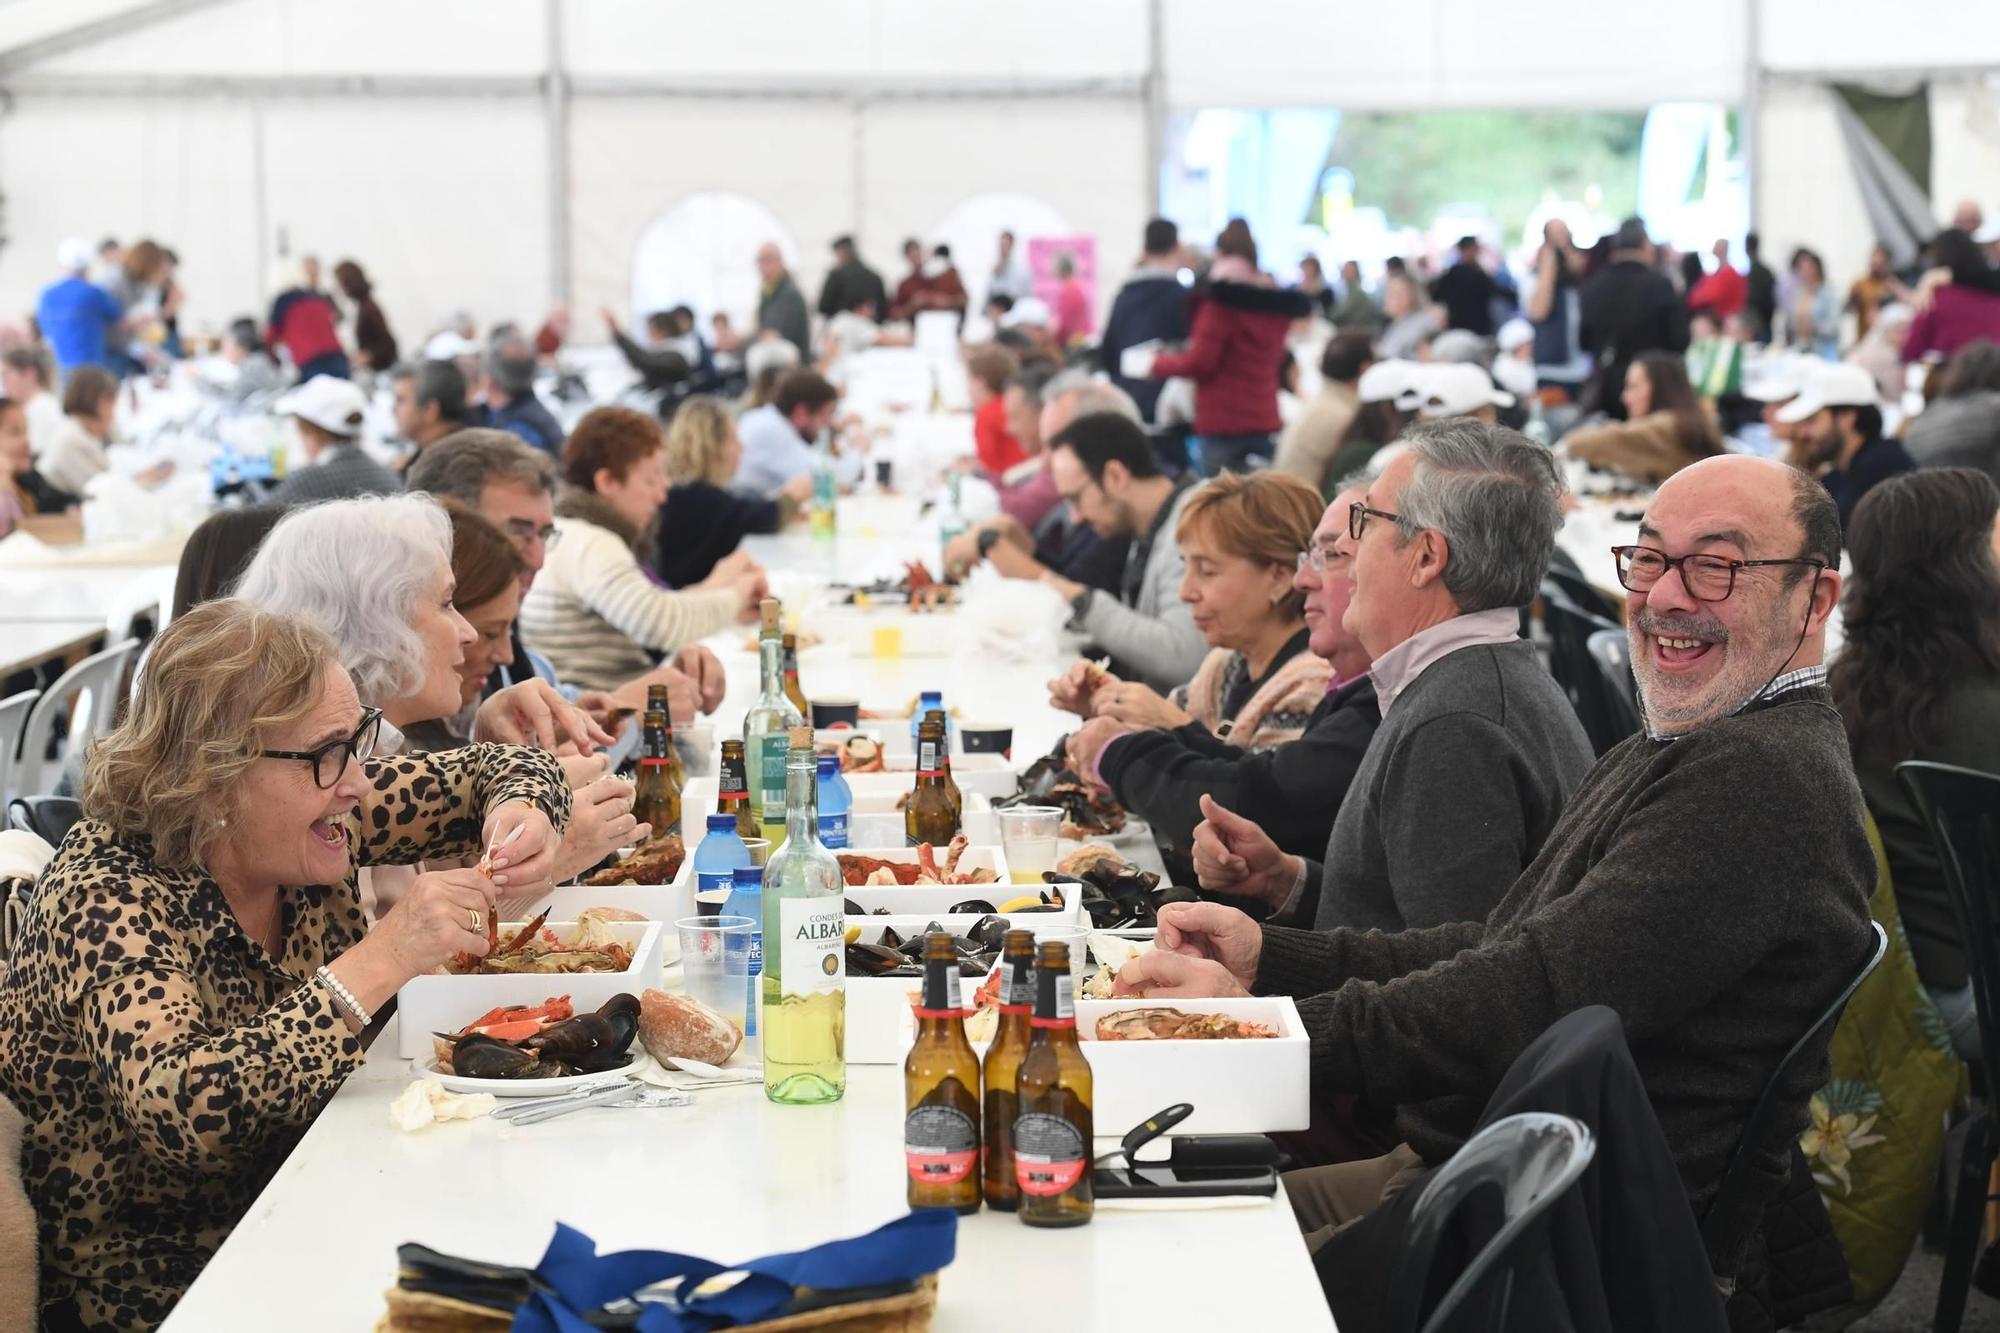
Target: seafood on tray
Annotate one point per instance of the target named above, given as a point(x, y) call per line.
point(593, 946)
point(1116, 893)
point(656, 861)
point(546, 1040)
point(917, 590)
point(1173, 1025)
point(1111, 953)
point(896, 956)
point(860, 870)
point(857, 754)
point(1088, 812)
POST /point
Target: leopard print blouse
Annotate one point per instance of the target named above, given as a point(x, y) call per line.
point(166, 1063)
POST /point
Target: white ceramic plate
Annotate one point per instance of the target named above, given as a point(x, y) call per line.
point(425, 1066)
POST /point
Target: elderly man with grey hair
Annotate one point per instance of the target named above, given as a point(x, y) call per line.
point(1479, 749)
point(781, 307)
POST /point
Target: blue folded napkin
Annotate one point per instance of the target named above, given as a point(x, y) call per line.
point(575, 1279)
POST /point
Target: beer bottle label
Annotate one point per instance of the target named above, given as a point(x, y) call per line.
point(1065, 1005)
point(940, 1144)
point(1049, 1154)
point(927, 760)
point(1017, 994)
point(833, 830)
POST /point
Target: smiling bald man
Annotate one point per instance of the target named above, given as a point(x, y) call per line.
point(1708, 882)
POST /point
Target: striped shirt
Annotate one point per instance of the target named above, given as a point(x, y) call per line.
point(600, 619)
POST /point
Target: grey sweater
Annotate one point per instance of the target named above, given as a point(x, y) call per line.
point(1461, 784)
point(1151, 631)
point(1712, 890)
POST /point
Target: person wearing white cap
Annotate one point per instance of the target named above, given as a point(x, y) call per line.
point(1459, 389)
point(1840, 429)
point(1387, 394)
point(327, 413)
point(1514, 367)
point(74, 314)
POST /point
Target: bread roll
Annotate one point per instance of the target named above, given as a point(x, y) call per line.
point(672, 1025)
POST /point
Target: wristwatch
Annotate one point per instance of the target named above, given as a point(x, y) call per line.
point(987, 541)
point(1080, 603)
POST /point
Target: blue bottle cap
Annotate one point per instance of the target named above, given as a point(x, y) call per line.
point(828, 763)
point(748, 877)
point(723, 823)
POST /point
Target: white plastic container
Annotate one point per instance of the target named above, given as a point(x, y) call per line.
point(440, 1003)
point(879, 1026)
point(988, 857)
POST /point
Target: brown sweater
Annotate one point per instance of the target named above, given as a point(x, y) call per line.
point(1711, 890)
point(1649, 449)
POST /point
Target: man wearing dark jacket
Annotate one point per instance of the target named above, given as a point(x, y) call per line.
point(1627, 308)
point(1163, 775)
point(780, 308)
point(1152, 306)
point(511, 404)
point(1708, 883)
point(1467, 290)
point(659, 367)
point(850, 282)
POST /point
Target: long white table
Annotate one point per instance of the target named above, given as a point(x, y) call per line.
point(733, 1176)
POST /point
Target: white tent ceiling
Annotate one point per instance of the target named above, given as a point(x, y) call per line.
point(425, 140)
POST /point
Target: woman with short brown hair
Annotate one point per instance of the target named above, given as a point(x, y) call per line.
point(595, 611)
point(193, 960)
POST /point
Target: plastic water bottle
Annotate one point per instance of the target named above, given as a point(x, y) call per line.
point(746, 898)
point(720, 855)
point(826, 490)
point(926, 701)
point(836, 802)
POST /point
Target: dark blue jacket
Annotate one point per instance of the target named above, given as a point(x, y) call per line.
point(1152, 305)
point(528, 418)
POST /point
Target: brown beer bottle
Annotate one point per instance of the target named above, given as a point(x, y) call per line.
point(944, 753)
point(656, 699)
point(656, 797)
point(1052, 1124)
point(790, 658)
point(941, 1111)
point(732, 790)
point(930, 816)
point(1003, 1065)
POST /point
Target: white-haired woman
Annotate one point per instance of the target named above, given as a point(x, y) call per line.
point(376, 574)
point(194, 968)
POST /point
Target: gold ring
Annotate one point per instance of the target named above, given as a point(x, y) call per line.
point(477, 923)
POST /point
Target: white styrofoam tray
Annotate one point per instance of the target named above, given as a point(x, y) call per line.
point(925, 902)
point(666, 903)
point(976, 857)
point(436, 1002)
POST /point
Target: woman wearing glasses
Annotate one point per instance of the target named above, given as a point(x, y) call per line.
point(193, 971)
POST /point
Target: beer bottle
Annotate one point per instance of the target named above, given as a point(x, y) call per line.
point(930, 816)
point(1003, 1065)
point(944, 753)
point(940, 1109)
point(1052, 1124)
point(656, 698)
point(790, 658)
point(656, 797)
point(732, 791)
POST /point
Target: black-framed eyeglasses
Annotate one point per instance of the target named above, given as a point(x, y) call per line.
point(329, 761)
point(1707, 578)
point(1358, 515)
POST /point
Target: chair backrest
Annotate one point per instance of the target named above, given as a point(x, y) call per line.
point(1762, 1129)
point(14, 712)
point(1612, 651)
point(1570, 662)
point(1584, 594)
point(1962, 808)
point(96, 679)
point(1531, 1159)
point(47, 817)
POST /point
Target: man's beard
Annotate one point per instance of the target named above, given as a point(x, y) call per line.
point(1669, 707)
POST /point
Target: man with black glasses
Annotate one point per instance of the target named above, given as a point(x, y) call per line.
point(1708, 882)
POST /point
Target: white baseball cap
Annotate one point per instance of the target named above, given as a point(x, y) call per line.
point(1831, 385)
point(449, 346)
point(74, 255)
point(1516, 332)
point(1458, 388)
point(1027, 310)
point(1776, 376)
point(1390, 382)
point(334, 405)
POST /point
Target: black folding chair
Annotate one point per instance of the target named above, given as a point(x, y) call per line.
point(1962, 808)
point(47, 817)
point(1612, 652)
point(1606, 718)
point(1583, 592)
point(1764, 1130)
point(1532, 1159)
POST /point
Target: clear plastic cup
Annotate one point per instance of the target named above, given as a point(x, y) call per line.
point(715, 963)
point(1028, 835)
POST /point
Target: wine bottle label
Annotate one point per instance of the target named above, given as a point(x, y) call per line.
point(833, 830)
point(1049, 1154)
point(940, 1144)
point(809, 957)
point(772, 749)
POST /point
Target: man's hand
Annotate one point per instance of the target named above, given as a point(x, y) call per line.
point(1233, 855)
point(1212, 931)
point(535, 713)
point(1072, 690)
point(1087, 742)
point(1156, 975)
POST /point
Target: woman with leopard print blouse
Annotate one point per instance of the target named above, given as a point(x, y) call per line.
point(193, 971)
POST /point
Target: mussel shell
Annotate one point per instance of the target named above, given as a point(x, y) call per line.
point(890, 939)
point(872, 960)
point(851, 908)
point(989, 932)
point(971, 907)
point(480, 1056)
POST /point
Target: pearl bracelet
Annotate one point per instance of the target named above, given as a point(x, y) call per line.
point(343, 996)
